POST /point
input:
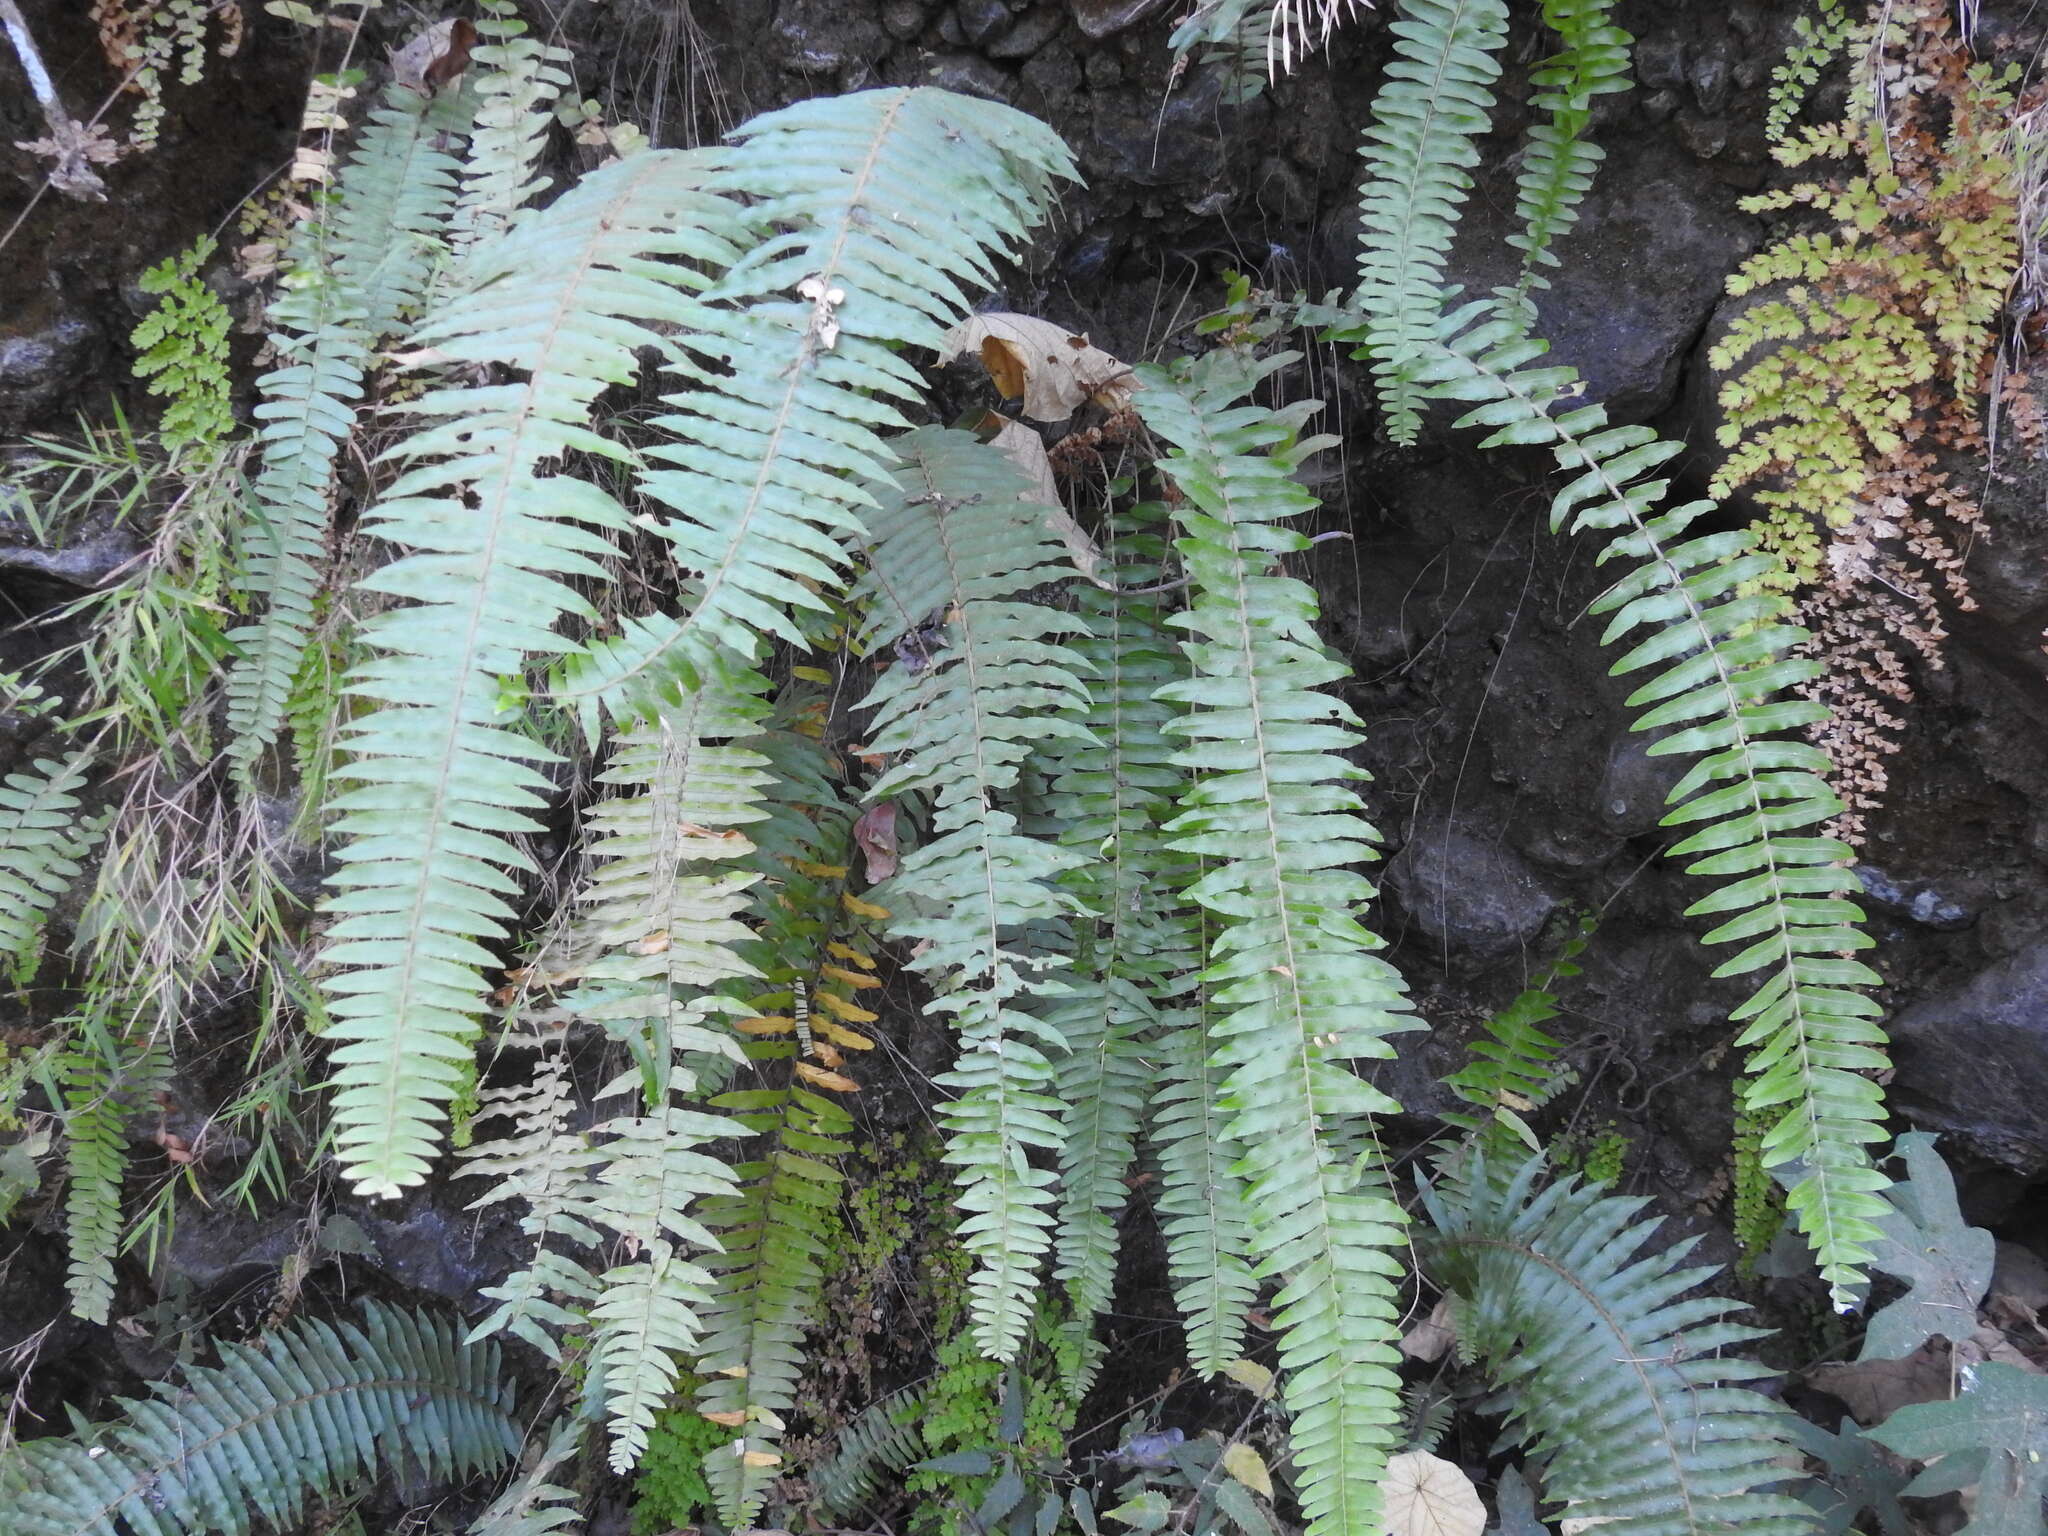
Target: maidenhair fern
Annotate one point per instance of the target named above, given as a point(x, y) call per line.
point(315, 1408)
point(1725, 658)
point(1297, 991)
point(1606, 1367)
point(1419, 153)
point(979, 680)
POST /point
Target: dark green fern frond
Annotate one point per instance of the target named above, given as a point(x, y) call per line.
point(1513, 1068)
point(1725, 660)
point(1418, 154)
point(980, 683)
point(106, 1080)
point(1111, 794)
point(352, 271)
point(878, 214)
point(443, 774)
point(1297, 990)
point(1605, 1366)
point(314, 1409)
point(881, 1443)
point(43, 835)
point(1558, 169)
point(1201, 1195)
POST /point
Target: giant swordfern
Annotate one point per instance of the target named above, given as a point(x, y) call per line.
point(980, 682)
point(1297, 992)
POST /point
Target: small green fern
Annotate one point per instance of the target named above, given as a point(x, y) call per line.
point(43, 835)
point(184, 346)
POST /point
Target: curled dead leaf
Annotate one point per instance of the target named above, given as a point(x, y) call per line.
point(1424, 1495)
point(1048, 368)
point(819, 1077)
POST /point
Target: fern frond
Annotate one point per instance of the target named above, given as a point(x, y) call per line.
point(1201, 1197)
point(351, 276)
point(1419, 153)
point(1561, 161)
point(879, 211)
point(778, 1235)
point(1297, 990)
point(315, 1408)
point(106, 1078)
point(1725, 659)
point(43, 835)
point(981, 683)
point(1111, 793)
point(518, 78)
point(1603, 1364)
point(882, 1442)
point(533, 1506)
point(442, 775)
point(1513, 1067)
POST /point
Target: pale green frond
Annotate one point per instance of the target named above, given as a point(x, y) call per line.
point(1419, 152)
point(492, 538)
point(1296, 989)
point(533, 1506)
point(1724, 659)
point(1560, 162)
point(517, 79)
point(980, 683)
point(43, 835)
point(276, 1429)
point(355, 267)
point(878, 215)
point(1605, 1364)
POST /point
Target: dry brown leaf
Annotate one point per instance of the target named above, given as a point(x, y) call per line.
point(1046, 366)
point(818, 1077)
point(875, 832)
point(731, 1420)
point(1429, 1339)
point(1424, 1495)
point(1249, 1373)
point(1872, 1389)
point(1026, 449)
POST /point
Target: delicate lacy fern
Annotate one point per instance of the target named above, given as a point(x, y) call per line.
point(874, 209)
point(518, 79)
point(1725, 658)
point(1418, 155)
point(1297, 991)
point(43, 835)
point(962, 708)
point(1110, 796)
point(1603, 1368)
point(443, 775)
point(184, 347)
point(315, 1408)
point(1559, 167)
point(351, 275)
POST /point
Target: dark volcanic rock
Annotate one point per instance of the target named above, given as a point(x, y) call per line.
point(1974, 1061)
point(1468, 892)
point(1106, 18)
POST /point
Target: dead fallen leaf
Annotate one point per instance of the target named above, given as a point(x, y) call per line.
point(1046, 366)
point(875, 832)
point(1873, 1389)
point(1026, 449)
point(434, 57)
point(731, 1420)
point(1424, 1495)
point(1429, 1339)
point(1246, 1465)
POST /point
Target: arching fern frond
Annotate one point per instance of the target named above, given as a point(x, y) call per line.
point(518, 78)
point(980, 683)
point(1297, 990)
point(1419, 153)
point(442, 775)
point(312, 1410)
point(1725, 658)
point(533, 1506)
point(354, 269)
point(1604, 1365)
point(1558, 169)
point(43, 835)
point(878, 213)
point(1111, 793)
point(882, 1442)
